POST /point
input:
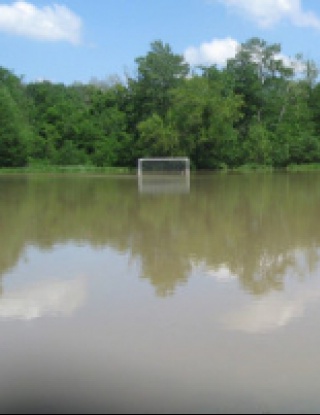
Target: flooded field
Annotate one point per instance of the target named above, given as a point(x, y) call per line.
point(124, 296)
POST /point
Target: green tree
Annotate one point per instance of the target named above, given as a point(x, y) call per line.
point(262, 78)
point(258, 145)
point(14, 132)
point(157, 138)
point(299, 126)
point(157, 74)
point(113, 145)
point(204, 112)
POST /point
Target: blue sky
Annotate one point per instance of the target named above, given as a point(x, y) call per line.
point(77, 40)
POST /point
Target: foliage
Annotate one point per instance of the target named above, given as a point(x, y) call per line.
point(256, 111)
point(14, 133)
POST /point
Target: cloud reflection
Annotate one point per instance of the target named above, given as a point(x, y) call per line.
point(298, 272)
point(272, 312)
point(52, 298)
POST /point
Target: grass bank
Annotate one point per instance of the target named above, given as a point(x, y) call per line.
point(67, 169)
point(303, 167)
point(248, 168)
point(291, 168)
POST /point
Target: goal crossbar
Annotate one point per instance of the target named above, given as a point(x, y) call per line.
point(164, 165)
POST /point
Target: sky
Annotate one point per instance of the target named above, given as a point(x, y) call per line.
point(67, 41)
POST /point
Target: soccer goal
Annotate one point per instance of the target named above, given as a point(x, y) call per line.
point(164, 175)
point(164, 166)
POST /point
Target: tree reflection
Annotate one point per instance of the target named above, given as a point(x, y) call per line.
point(252, 223)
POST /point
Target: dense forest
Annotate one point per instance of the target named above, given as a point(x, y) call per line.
point(257, 110)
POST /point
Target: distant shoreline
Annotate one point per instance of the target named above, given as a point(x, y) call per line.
point(67, 169)
point(131, 171)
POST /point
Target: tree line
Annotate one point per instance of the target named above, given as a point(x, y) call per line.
point(257, 110)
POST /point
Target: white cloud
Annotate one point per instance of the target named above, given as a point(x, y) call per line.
point(269, 12)
point(44, 299)
point(50, 23)
point(218, 51)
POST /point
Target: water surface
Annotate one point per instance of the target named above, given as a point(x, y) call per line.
point(200, 297)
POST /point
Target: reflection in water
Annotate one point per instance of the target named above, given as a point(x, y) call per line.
point(274, 311)
point(279, 309)
point(220, 273)
point(154, 337)
point(247, 226)
point(52, 298)
point(161, 184)
point(270, 313)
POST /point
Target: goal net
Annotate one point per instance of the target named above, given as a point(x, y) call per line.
point(164, 175)
point(164, 166)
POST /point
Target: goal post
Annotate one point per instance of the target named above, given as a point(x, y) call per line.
point(164, 166)
point(164, 175)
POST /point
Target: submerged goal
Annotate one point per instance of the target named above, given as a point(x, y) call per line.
point(164, 175)
point(164, 166)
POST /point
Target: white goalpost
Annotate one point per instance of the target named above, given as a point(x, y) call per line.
point(164, 166)
point(164, 175)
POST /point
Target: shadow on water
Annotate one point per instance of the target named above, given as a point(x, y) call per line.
point(256, 226)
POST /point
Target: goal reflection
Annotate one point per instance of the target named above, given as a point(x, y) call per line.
point(159, 184)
